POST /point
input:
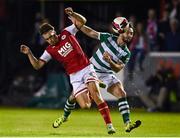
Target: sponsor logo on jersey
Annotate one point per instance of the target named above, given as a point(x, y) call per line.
point(65, 50)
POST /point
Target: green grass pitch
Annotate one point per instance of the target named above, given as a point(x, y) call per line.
point(84, 123)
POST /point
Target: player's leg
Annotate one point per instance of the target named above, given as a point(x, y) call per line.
point(101, 104)
point(91, 80)
point(84, 100)
point(118, 91)
point(69, 106)
point(81, 96)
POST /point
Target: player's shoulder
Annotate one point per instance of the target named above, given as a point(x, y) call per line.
point(106, 35)
point(48, 48)
point(64, 34)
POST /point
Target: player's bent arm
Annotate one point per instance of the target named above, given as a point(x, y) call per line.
point(79, 19)
point(116, 67)
point(90, 32)
point(36, 63)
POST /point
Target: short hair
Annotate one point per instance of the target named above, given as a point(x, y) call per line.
point(45, 27)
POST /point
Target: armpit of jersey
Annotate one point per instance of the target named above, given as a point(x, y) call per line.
point(72, 29)
point(45, 56)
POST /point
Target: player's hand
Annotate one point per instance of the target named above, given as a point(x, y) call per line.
point(107, 57)
point(24, 49)
point(69, 11)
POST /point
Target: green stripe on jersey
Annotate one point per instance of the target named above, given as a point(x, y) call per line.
point(111, 47)
point(100, 62)
point(100, 71)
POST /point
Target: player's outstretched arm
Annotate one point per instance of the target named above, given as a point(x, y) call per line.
point(90, 32)
point(37, 64)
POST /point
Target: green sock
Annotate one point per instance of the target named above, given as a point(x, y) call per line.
point(68, 107)
point(124, 109)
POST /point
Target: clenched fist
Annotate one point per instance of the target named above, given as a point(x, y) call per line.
point(69, 11)
point(107, 57)
point(24, 49)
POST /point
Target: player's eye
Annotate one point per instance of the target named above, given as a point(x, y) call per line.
point(131, 33)
point(49, 37)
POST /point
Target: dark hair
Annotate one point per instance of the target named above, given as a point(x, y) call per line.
point(131, 25)
point(45, 27)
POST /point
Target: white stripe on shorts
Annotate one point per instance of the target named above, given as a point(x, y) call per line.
point(80, 91)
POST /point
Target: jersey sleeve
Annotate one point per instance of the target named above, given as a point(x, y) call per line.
point(45, 56)
point(72, 29)
point(103, 36)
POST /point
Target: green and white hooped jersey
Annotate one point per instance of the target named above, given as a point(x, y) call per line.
point(109, 44)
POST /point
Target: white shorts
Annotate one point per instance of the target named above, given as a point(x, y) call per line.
point(108, 79)
point(81, 78)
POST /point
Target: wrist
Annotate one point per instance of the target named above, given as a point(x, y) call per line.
point(72, 13)
point(110, 61)
point(80, 26)
point(29, 53)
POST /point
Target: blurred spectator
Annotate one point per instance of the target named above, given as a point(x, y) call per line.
point(132, 19)
point(22, 88)
point(138, 49)
point(151, 30)
point(175, 10)
point(37, 40)
point(161, 84)
point(172, 39)
point(54, 93)
point(163, 29)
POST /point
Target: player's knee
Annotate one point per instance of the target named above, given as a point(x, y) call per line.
point(72, 98)
point(122, 93)
point(85, 105)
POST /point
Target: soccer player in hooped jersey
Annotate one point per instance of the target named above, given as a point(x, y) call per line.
point(65, 49)
point(109, 59)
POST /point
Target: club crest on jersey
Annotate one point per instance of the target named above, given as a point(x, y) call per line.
point(65, 50)
point(63, 37)
point(121, 53)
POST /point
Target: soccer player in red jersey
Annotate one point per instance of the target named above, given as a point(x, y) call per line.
point(110, 58)
point(65, 49)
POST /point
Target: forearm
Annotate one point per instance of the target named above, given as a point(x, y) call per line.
point(116, 67)
point(79, 17)
point(89, 32)
point(34, 61)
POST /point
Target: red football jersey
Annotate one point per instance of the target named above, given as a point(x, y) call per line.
point(67, 51)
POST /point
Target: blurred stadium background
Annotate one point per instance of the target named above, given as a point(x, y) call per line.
point(151, 78)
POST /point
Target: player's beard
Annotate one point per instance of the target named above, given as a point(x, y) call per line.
point(54, 42)
point(126, 39)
